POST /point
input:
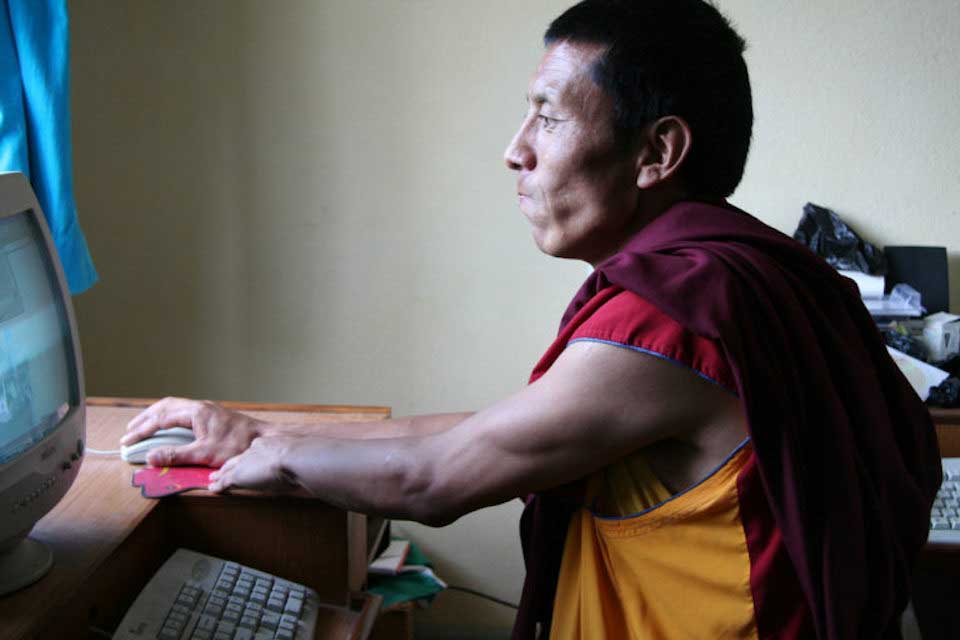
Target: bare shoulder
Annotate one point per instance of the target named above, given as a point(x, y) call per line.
point(638, 385)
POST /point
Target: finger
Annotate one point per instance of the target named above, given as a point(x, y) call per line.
point(223, 478)
point(150, 412)
point(162, 415)
point(220, 480)
point(216, 485)
point(194, 453)
point(225, 468)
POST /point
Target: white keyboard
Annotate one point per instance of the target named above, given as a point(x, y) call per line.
point(198, 597)
point(945, 518)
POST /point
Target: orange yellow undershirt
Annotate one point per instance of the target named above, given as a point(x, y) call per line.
point(639, 562)
point(678, 568)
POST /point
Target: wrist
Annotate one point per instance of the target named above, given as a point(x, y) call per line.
point(284, 464)
point(262, 429)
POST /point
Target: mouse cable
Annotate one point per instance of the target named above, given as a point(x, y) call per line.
point(99, 632)
point(474, 592)
point(99, 452)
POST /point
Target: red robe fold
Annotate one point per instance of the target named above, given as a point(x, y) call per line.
point(846, 451)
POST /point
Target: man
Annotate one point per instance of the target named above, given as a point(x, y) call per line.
point(739, 494)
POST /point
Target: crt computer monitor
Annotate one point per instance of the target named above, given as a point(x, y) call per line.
point(42, 407)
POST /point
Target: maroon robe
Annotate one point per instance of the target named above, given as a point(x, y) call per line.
point(846, 451)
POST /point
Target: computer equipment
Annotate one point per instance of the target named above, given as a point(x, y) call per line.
point(200, 597)
point(42, 407)
point(945, 518)
point(136, 453)
point(924, 269)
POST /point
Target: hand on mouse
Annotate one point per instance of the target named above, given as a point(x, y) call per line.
point(220, 433)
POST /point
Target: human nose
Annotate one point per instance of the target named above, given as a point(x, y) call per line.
point(519, 154)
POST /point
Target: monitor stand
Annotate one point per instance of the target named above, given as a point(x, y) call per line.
point(22, 564)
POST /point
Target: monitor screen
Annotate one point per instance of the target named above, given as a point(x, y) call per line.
point(38, 383)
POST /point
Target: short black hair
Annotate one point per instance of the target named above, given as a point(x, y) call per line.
point(671, 57)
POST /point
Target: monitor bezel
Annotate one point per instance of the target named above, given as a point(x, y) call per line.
point(16, 198)
point(35, 481)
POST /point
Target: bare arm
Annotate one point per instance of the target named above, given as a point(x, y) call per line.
point(406, 427)
point(595, 405)
point(222, 434)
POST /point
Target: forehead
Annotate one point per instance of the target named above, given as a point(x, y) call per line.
point(563, 75)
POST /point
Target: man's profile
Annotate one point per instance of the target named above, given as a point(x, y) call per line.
point(716, 444)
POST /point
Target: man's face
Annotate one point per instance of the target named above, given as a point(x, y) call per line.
point(576, 186)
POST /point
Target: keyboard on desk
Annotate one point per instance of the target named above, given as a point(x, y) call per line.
point(945, 518)
point(198, 597)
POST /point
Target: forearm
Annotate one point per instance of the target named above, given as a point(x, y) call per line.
point(385, 476)
point(407, 427)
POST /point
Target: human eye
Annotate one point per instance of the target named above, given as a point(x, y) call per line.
point(546, 121)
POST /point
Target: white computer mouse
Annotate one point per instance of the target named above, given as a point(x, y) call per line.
point(136, 453)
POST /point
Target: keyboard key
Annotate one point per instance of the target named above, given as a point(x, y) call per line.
point(294, 606)
point(206, 623)
point(168, 633)
point(231, 616)
point(226, 627)
point(275, 604)
point(270, 620)
point(243, 634)
point(177, 619)
point(212, 611)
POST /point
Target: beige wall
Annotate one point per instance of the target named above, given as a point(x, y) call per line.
point(305, 201)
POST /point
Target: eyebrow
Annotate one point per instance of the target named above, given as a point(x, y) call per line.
point(546, 95)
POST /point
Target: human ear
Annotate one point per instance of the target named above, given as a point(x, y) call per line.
point(666, 144)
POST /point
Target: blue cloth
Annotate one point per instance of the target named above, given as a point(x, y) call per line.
point(35, 121)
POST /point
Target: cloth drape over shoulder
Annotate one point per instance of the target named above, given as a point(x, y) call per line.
point(846, 451)
point(35, 121)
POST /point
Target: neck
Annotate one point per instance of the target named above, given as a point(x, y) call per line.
point(650, 206)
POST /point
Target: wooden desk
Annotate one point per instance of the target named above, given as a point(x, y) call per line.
point(936, 580)
point(107, 540)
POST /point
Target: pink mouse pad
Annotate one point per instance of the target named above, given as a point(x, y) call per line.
point(156, 482)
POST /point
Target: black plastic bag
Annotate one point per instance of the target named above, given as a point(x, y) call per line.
point(905, 343)
point(945, 394)
point(832, 239)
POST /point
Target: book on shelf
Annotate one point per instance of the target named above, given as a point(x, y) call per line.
point(393, 562)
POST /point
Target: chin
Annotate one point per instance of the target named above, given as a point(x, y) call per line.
point(554, 249)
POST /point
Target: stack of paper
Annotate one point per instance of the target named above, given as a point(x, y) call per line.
point(871, 287)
